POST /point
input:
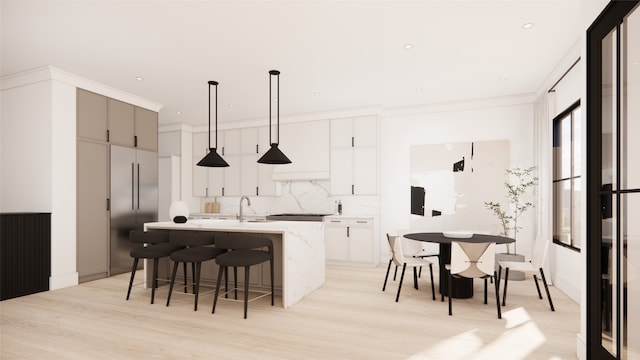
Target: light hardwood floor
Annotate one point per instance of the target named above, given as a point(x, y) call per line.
point(347, 318)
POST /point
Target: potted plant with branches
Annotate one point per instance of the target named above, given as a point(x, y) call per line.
point(509, 215)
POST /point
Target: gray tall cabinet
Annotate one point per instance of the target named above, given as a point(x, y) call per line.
point(103, 122)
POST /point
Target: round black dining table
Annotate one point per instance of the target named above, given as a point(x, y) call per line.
point(462, 288)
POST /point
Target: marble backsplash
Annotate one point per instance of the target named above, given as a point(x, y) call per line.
point(299, 197)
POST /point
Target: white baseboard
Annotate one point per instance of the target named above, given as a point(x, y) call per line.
point(63, 281)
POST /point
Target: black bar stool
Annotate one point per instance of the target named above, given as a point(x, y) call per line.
point(244, 251)
point(157, 246)
point(195, 252)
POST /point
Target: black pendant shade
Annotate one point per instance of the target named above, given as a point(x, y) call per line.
point(274, 155)
point(213, 159)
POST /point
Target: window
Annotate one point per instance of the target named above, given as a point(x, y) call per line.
point(567, 181)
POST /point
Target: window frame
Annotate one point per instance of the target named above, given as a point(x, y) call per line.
point(568, 112)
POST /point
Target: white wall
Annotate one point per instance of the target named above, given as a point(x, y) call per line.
point(508, 118)
point(38, 164)
point(26, 148)
point(38, 154)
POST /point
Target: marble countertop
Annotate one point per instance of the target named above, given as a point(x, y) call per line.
point(235, 225)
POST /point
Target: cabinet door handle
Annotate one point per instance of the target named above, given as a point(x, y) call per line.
point(353, 141)
point(107, 135)
point(108, 204)
point(335, 221)
point(257, 190)
point(223, 191)
point(206, 192)
point(361, 221)
point(135, 140)
point(223, 150)
point(348, 231)
point(257, 151)
point(353, 190)
point(133, 184)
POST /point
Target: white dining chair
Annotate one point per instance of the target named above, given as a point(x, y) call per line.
point(399, 259)
point(533, 267)
point(473, 260)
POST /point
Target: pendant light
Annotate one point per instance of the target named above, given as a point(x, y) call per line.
point(274, 155)
point(212, 159)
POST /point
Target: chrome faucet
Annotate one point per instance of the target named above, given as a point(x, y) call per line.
point(241, 217)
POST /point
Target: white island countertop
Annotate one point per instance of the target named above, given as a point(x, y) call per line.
point(302, 257)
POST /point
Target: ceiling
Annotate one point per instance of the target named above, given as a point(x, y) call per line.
point(332, 54)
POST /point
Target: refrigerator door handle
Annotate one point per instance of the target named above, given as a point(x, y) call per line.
point(132, 187)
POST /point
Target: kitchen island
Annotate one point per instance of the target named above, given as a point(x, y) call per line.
point(299, 252)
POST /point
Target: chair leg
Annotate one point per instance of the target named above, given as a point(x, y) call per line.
point(221, 269)
point(535, 280)
point(415, 278)
point(485, 291)
point(395, 272)
point(272, 285)
point(246, 290)
point(450, 286)
point(433, 287)
point(154, 283)
point(497, 288)
point(420, 272)
point(235, 282)
point(506, 281)
point(184, 268)
point(133, 275)
point(226, 282)
point(173, 279)
point(193, 277)
point(384, 286)
point(546, 288)
point(196, 284)
point(400, 283)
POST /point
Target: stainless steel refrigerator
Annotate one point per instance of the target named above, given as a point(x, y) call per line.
point(133, 201)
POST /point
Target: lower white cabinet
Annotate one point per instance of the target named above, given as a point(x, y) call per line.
point(349, 240)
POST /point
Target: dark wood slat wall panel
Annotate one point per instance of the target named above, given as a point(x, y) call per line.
point(25, 253)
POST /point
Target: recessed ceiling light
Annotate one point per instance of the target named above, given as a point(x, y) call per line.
point(178, 112)
point(502, 79)
point(418, 90)
point(408, 46)
point(528, 25)
point(230, 105)
point(317, 94)
point(139, 78)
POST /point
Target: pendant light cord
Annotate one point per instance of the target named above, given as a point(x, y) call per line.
point(209, 137)
point(216, 113)
point(270, 111)
point(278, 107)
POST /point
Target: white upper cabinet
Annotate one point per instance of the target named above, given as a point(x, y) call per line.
point(354, 156)
point(241, 148)
point(256, 178)
point(306, 144)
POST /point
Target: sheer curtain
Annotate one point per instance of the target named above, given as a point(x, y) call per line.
point(544, 106)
